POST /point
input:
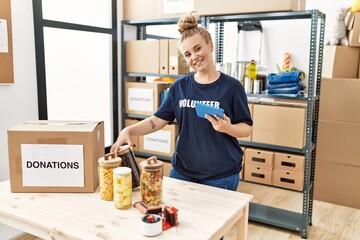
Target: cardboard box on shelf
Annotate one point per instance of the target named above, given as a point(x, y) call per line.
point(177, 63)
point(140, 9)
point(340, 62)
point(143, 98)
point(289, 162)
point(142, 56)
point(337, 183)
point(338, 142)
point(164, 56)
point(353, 27)
point(153, 9)
point(258, 157)
point(258, 174)
point(134, 139)
point(55, 156)
point(215, 7)
point(340, 99)
point(279, 125)
point(288, 179)
point(161, 142)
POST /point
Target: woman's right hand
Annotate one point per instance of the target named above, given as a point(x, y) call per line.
point(123, 138)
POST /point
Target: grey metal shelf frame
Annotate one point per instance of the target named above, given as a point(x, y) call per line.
point(265, 214)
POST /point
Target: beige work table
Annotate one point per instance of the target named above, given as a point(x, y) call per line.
point(204, 213)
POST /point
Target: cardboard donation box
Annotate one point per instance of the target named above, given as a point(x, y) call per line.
point(55, 156)
point(161, 142)
point(143, 98)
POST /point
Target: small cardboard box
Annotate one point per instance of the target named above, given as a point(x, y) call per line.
point(340, 99)
point(142, 56)
point(259, 157)
point(353, 27)
point(258, 174)
point(286, 179)
point(289, 162)
point(55, 156)
point(143, 98)
point(340, 62)
point(161, 142)
point(337, 183)
point(177, 63)
point(134, 139)
point(279, 125)
point(338, 142)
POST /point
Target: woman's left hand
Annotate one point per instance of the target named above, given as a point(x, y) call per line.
point(219, 124)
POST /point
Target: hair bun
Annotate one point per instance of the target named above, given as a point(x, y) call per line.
point(188, 22)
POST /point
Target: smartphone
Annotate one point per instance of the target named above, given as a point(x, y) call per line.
point(202, 109)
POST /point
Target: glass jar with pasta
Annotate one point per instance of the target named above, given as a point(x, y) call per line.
point(122, 187)
point(151, 181)
point(106, 166)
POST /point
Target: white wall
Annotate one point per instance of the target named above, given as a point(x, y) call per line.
point(18, 102)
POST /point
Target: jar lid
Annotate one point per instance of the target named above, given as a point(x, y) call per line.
point(151, 163)
point(123, 149)
point(122, 170)
point(110, 160)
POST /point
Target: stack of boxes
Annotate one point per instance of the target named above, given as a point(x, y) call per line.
point(288, 171)
point(154, 56)
point(337, 171)
point(258, 165)
point(274, 168)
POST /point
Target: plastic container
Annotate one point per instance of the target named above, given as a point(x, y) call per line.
point(122, 187)
point(151, 225)
point(252, 70)
point(151, 181)
point(106, 166)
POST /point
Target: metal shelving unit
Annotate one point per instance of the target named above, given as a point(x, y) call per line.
point(265, 214)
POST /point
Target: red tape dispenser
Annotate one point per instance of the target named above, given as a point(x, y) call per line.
point(171, 217)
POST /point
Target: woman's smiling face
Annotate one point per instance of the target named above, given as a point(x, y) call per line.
point(197, 52)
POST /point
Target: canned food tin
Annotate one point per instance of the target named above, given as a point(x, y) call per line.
point(248, 85)
point(257, 86)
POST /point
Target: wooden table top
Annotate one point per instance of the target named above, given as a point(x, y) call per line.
point(204, 213)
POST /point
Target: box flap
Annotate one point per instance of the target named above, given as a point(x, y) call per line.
point(56, 126)
point(351, 19)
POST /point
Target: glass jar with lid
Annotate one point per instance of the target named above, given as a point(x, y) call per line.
point(106, 166)
point(122, 187)
point(151, 181)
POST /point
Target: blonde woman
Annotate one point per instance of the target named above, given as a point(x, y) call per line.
point(207, 150)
